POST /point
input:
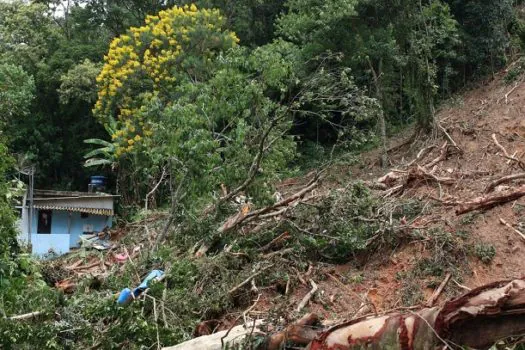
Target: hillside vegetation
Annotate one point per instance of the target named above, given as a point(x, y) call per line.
point(273, 158)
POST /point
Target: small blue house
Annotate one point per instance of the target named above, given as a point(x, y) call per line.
point(58, 219)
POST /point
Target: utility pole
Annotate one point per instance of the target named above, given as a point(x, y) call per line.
point(31, 196)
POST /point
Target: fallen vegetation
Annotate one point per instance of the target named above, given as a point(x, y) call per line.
point(262, 204)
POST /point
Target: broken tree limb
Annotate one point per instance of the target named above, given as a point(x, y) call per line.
point(254, 167)
point(307, 297)
point(520, 163)
point(443, 152)
point(150, 193)
point(505, 223)
point(23, 317)
point(276, 253)
point(435, 296)
point(301, 332)
point(476, 320)
point(419, 173)
point(248, 280)
point(503, 180)
point(282, 237)
point(421, 155)
point(389, 179)
point(237, 335)
point(376, 185)
point(488, 202)
point(237, 219)
point(449, 138)
point(393, 191)
point(175, 202)
point(511, 91)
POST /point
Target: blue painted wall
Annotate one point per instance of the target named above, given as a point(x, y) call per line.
point(66, 229)
point(99, 222)
point(42, 244)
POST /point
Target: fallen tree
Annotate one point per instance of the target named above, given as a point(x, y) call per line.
point(477, 319)
point(487, 202)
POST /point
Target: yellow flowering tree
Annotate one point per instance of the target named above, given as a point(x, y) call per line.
point(148, 63)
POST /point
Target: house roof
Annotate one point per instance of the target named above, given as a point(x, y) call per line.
point(81, 202)
point(48, 194)
point(94, 211)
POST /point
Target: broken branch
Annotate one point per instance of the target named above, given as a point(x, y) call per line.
point(437, 292)
point(238, 219)
point(443, 151)
point(25, 316)
point(307, 297)
point(506, 154)
point(248, 280)
point(447, 135)
point(505, 223)
point(489, 202)
point(503, 180)
point(282, 237)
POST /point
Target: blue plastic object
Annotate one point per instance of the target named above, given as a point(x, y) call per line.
point(152, 275)
point(126, 295)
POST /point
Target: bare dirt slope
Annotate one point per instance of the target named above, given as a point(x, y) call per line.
point(406, 275)
point(494, 108)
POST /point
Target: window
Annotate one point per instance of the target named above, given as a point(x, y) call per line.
point(44, 221)
point(84, 215)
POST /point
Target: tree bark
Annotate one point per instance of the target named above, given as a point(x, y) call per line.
point(478, 320)
point(488, 202)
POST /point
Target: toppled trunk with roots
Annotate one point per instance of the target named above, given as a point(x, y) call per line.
point(478, 320)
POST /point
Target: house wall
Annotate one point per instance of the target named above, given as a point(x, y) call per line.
point(43, 243)
point(66, 229)
point(99, 222)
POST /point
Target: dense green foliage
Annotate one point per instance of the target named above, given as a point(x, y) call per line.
point(407, 54)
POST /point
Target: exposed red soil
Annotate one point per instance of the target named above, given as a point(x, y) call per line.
point(470, 120)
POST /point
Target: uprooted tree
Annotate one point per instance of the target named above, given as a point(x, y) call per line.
point(478, 320)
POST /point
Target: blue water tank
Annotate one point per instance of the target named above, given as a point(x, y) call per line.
point(98, 180)
point(97, 184)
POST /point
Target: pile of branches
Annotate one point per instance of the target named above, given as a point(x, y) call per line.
point(253, 221)
point(418, 172)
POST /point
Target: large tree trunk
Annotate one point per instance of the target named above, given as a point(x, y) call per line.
point(477, 320)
